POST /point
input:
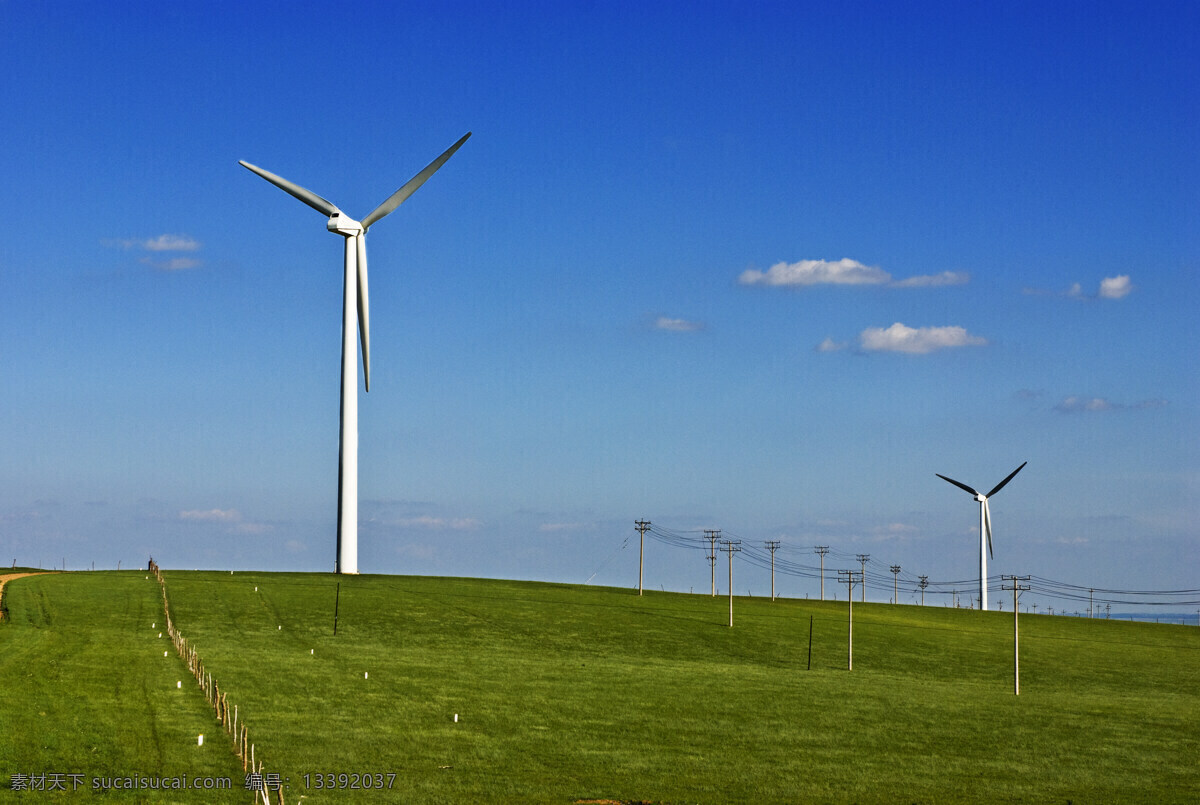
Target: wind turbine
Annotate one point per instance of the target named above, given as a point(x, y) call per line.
point(985, 527)
point(355, 316)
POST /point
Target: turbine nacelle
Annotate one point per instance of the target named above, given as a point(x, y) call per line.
point(342, 224)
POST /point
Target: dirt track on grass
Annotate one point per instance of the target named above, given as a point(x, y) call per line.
point(7, 577)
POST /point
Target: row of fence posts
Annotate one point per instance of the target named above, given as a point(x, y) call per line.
point(227, 715)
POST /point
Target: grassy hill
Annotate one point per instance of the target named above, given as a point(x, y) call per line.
point(567, 693)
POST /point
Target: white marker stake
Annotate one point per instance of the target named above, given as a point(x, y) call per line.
point(178, 685)
point(200, 741)
point(364, 674)
point(164, 653)
point(456, 718)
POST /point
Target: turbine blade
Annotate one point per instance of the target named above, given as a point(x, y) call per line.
point(364, 312)
point(956, 483)
point(1000, 485)
point(398, 198)
point(307, 196)
point(987, 523)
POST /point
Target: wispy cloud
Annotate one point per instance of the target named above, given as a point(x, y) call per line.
point(211, 515)
point(173, 264)
point(436, 523)
point(934, 280)
point(171, 243)
point(916, 340)
point(231, 519)
point(557, 527)
point(1089, 405)
point(1112, 288)
point(843, 272)
point(160, 245)
point(678, 325)
point(829, 345)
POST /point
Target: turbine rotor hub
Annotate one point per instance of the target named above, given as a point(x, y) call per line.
point(342, 224)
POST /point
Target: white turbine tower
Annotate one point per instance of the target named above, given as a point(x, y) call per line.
point(355, 316)
point(985, 527)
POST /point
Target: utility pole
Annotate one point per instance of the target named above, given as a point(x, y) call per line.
point(731, 546)
point(1016, 587)
point(1090, 591)
point(772, 546)
point(641, 526)
point(822, 550)
point(713, 536)
point(895, 584)
point(924, 584)
point(862, 558)
point(850, 576)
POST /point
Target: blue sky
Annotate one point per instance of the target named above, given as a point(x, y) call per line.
point(765, 268)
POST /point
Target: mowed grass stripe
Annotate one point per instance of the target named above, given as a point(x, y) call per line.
point(571, 692)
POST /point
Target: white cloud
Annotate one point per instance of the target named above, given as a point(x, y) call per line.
point(553, 527)
point(934, 280)
point(916, 340)
point(678, 325)
point(844, 272)
point(816, 272)
point(1116, 287)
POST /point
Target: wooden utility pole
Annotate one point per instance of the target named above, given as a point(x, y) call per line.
point(862, 558)
point(641, 526)
point(772, 546)
point(924, 583)
point(896, 584)
point(731, 546)
point(821, 551)
point(1016, 587)
point(712, 535)
point(850, 576)
point(337, 599)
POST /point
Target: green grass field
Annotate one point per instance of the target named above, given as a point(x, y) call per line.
point(569, 693)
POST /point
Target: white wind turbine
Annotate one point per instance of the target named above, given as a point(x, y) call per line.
point(355, 316)
point(985, 527)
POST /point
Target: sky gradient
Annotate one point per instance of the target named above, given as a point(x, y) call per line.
point(761, 268)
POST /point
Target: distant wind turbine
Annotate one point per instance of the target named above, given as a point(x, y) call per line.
point(985, 527)
point(355, 316)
